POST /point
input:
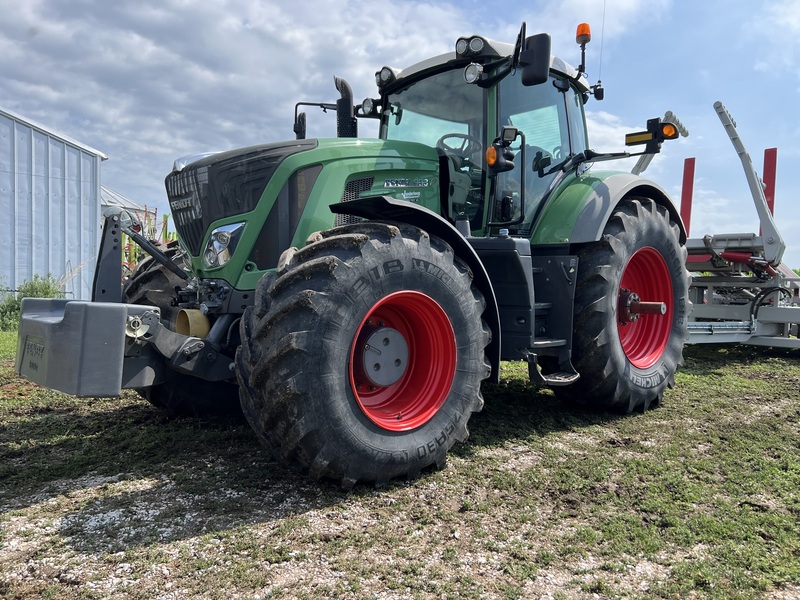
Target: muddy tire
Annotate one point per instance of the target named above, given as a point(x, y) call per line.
point(626, 359)
point(362, 358)
point(152, 283)
point(180, 395)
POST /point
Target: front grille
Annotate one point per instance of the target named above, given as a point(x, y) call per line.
point(223, 185)
point(187, 191)
point(352, 191)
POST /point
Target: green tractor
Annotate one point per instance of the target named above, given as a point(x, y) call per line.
point(352, 295)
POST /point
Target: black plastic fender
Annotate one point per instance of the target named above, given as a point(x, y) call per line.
point(383, 208)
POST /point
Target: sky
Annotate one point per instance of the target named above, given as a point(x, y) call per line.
point(150, 81)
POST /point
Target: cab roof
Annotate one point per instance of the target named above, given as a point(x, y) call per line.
point(493, 51)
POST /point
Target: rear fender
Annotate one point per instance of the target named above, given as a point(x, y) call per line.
point(581, 209)
point(383, 208)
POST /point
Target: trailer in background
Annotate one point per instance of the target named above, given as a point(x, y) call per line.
point(740, 290)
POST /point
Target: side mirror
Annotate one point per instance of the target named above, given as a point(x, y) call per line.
point(535, 59)
point(300, 126)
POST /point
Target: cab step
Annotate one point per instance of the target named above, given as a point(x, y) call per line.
point(560, 378)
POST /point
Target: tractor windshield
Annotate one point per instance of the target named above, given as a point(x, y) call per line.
point(445, 112)
point(432, 108)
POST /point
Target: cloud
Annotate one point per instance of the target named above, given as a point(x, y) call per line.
point(775, 34)
point(607, 134)
point(147, 82)
point(606, 131)
point(718, 213)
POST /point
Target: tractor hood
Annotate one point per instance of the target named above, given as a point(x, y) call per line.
point(222, 184)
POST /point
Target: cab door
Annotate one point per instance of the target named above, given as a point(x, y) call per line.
point(550, 117)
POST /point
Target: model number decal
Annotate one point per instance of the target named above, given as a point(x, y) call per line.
point(404, 183)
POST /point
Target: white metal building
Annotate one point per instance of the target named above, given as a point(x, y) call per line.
point(49, 206)
point(111, 199)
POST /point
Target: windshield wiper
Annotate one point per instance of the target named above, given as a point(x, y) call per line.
point(574, 160)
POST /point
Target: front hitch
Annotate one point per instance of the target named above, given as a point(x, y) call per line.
point(107, 285)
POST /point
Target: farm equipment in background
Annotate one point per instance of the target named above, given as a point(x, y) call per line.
point(740, 290)
point(351, 295)
point(151, 228)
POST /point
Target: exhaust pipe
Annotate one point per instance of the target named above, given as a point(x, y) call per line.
point(346, 124)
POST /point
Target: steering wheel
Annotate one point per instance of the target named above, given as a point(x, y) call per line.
point(464, 148)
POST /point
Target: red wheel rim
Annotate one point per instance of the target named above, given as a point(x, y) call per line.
point(644, 340)
point(424, 380)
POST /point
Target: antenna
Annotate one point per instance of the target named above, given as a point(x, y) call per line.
point(602, 36)
point(597, 89)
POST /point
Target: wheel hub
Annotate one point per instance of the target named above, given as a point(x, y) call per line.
point(645, 276)
point(385, 357)
point(631, 307)
point(403, 360)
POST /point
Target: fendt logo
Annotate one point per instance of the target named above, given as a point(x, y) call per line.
point(181, 203)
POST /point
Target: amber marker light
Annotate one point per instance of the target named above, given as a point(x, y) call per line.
point(669, 131)
point(584, 34)
point(491, 156)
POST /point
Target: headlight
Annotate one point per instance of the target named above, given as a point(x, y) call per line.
point(473, 46)
point(473, 72)
point(385, 76)
point(476, 45)
point(368, 106)
point(221, 244)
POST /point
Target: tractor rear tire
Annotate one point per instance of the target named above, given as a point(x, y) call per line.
point(180, 395)
point(627, 362)
point(363, 356)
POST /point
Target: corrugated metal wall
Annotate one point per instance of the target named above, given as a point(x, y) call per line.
point(49, 206)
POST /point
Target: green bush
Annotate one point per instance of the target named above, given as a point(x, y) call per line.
point(45, 286)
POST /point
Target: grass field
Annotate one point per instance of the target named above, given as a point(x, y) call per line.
point(699, 498)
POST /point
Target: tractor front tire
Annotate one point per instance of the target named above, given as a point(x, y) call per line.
point(627, 360)
point(153, 284)
point(180, 395)
point(363, 356)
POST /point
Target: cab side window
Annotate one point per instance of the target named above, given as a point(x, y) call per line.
point(551, 120)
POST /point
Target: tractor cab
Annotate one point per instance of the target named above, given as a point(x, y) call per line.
point(504, 119)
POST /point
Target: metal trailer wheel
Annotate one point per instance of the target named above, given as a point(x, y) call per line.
point(631, 308)
point(363, 357)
